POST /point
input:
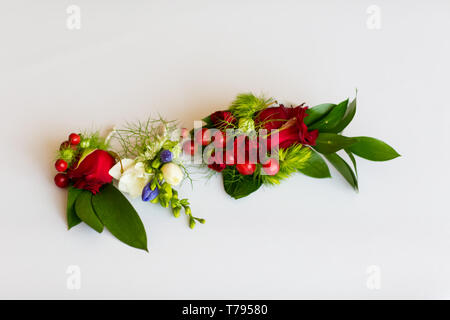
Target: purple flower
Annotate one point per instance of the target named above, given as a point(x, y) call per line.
point(166, 156)
point(148, 194)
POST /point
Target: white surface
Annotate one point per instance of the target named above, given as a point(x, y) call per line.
point(184, 59)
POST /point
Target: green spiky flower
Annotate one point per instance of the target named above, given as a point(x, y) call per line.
point(247, 104)
point(291, 160)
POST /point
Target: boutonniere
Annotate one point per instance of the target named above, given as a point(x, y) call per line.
point(256, 141)
point(145, 164)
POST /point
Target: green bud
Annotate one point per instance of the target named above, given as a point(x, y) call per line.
point(246, 124)
point(160, 176)
point(175, 203)
point(156, 163)
point(153, 184)
point(187, 210)
point(176, 212)
point(85, 143)
point(167, 189)
point(149, 169)
point(192, 223)
point(202, 221)
point(164, 202)
point(184, 202)
point(156, 200)
point(67, 154)
point(175, 194)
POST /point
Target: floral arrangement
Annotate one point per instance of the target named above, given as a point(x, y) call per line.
point(257, 141)
point(254, 142)
point(146, 164)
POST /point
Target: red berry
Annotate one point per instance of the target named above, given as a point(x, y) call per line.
point(64, 145)
point(190, 147)
point(246, 168)
point(61, 180)
point(61, 165)
point(272, 167)
point(74, 139)
point(228, 157)
point(219, 140)
point(203, 136)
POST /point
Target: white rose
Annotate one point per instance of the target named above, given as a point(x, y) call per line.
point(133, 178)
point(172, 173)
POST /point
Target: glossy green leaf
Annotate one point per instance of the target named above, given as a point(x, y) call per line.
point(353, 160)
point(207, 122)
point(315, 167)
point(237, 185)
point(317, 112)
point(332, 142)
point(348, 117)
point(373, 149)
point(332, 119)
point(344, 169)
point(72, 218)
point(85, 211)
point(119, 216)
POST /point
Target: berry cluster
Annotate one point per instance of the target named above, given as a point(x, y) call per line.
point(67, 149)
point(237, 150)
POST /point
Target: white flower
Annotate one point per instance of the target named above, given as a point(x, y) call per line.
point(172, 173)
point(133, 178)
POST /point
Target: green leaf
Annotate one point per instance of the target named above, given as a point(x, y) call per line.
point(208, 122)
point(85, 211)
point(237, 185)
point(315, 167)
point(352, 158)
point(331, 142)
point(344, 169)
point(119, 216)
point(373, 149)
point(72, 218)
point(332, 119)
point(317, 112)
point(348, 117)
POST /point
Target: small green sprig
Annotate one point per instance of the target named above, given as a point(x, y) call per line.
point(178, 204)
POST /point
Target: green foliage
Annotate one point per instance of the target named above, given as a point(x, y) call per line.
point(291, 160)
point(352, 159)
point(373, 149)
point(331, 142)
point(72, 218)
point(67, 154)
point(348, 117)
point(247, 104)
point(344, 169)
point(85, 211)
point(119, 216)
point(318, 112)
point(238, 185)
point(143, 140)
point(93, 141)
point(332, 119)
point(315, 166)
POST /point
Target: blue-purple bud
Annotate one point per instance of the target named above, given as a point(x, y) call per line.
point(148, 194)
point(166, 156)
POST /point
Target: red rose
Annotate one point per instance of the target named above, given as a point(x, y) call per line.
point(290, 123)
point(223, 119)
point(93, 171)
point(273, 118)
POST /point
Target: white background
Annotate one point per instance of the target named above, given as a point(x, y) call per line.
point(185, 59)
